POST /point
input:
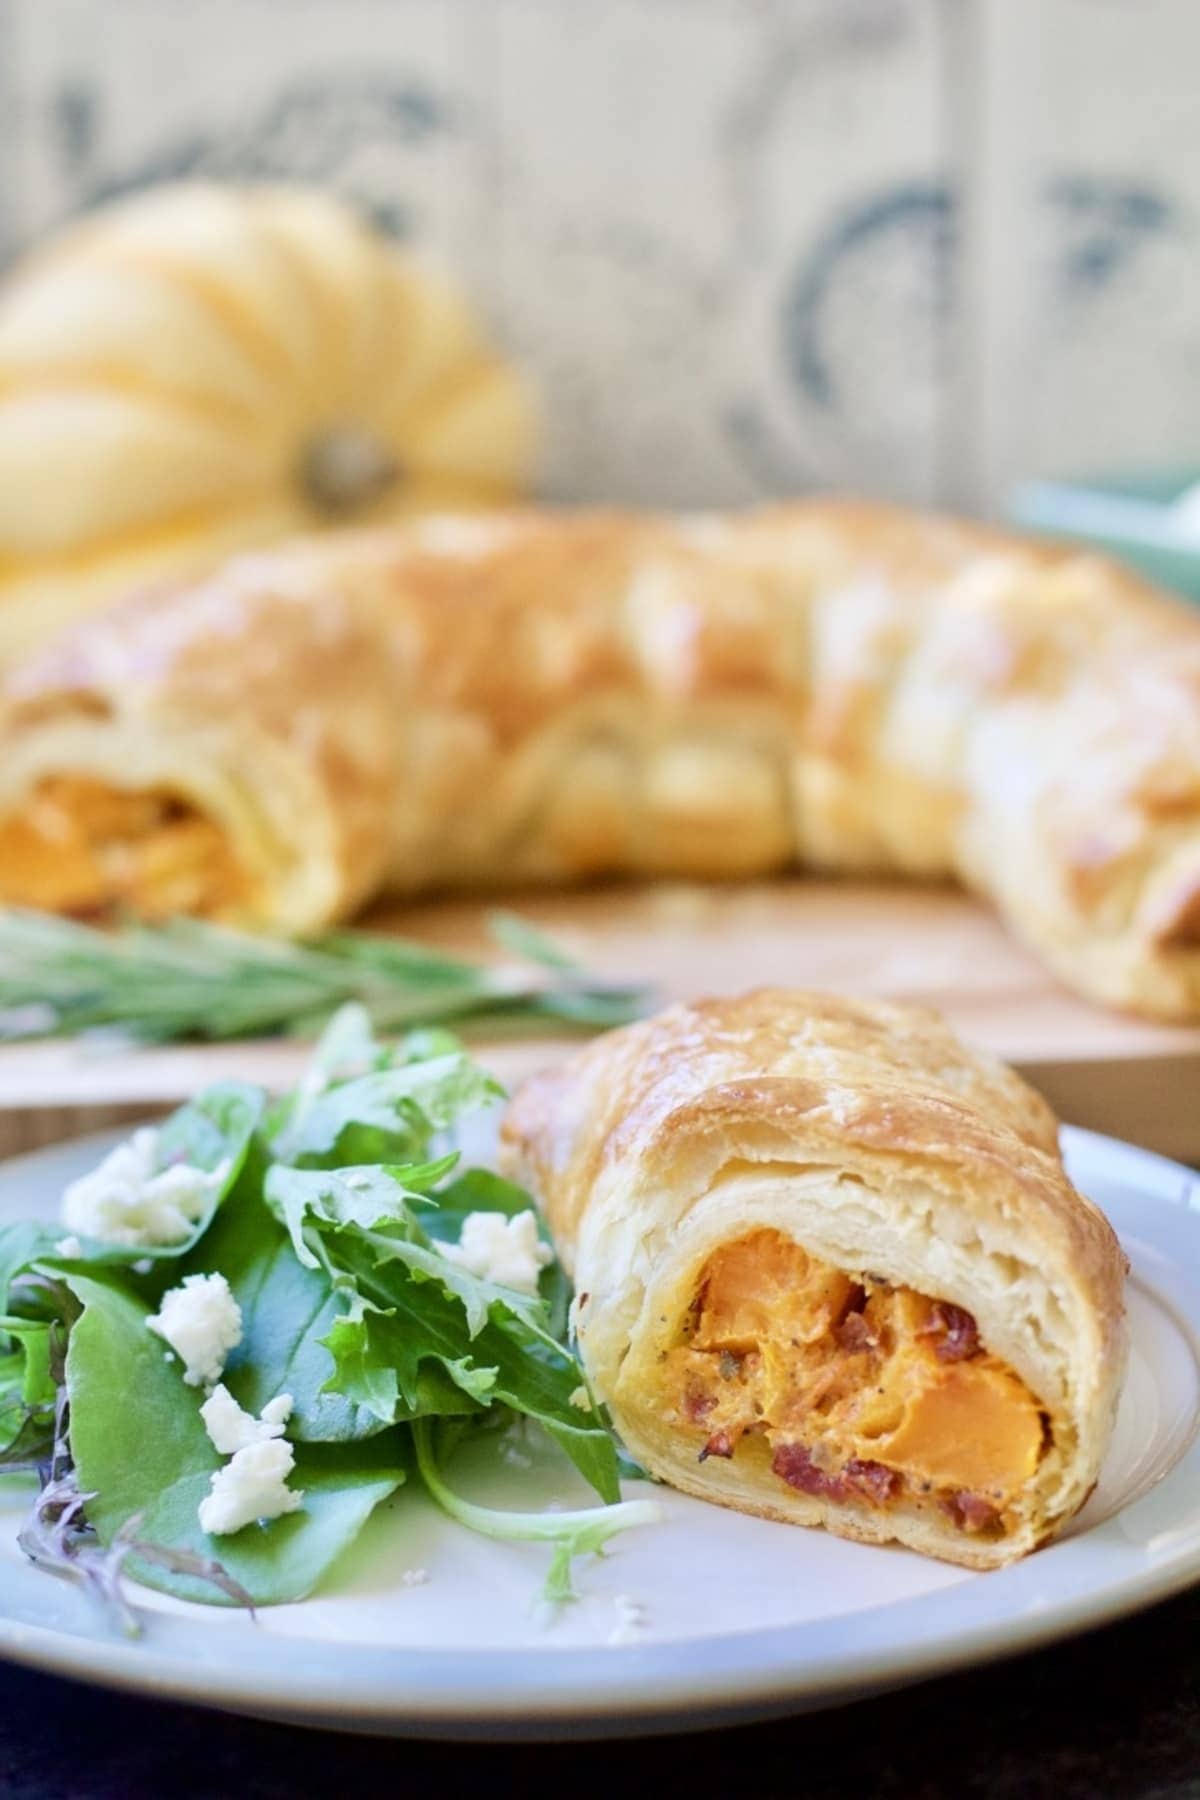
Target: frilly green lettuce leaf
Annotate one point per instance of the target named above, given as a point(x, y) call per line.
point(377, 1194)
point(389, 1116)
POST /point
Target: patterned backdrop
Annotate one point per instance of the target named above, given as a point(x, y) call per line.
point(746, 246)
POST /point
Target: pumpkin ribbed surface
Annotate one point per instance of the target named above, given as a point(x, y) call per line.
point(202, 368)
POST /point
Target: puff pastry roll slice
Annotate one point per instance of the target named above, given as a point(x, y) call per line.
point(829, 1269)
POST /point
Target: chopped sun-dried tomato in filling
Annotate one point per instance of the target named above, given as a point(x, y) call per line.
point(863, 1391)
point(83, 847)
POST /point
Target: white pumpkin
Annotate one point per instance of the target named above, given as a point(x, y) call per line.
point(203, 368)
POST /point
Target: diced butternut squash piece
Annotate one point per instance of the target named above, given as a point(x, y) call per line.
point(975, 1426)
point(764, 1285)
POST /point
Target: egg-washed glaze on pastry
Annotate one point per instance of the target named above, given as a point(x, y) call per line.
point(547, 697)
point(829, 1269)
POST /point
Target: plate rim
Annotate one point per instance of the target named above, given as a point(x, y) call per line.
point(536, 1692)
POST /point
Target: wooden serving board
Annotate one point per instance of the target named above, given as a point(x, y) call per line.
point(1117, 1074)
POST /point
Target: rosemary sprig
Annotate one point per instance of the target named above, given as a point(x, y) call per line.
point(185, 979)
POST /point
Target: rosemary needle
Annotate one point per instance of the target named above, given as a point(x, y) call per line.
point(186, 979)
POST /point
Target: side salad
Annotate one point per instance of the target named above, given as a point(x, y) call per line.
point(259, 1319)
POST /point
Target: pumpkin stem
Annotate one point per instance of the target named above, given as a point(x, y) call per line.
point(345, 468)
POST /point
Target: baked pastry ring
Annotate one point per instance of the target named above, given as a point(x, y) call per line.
point(829, 1269)
point(548, 697)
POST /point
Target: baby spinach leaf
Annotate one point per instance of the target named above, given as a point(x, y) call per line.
point(287, 1309)
point(27, 1438)
point(286, 1558)
point(152, 1461)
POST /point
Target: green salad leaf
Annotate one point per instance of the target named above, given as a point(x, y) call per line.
point(286, 1310)
point(28, 1390)
point(215, 1132)
point(152, 1462)
point(32, 1338)
point(481, 1190)
point(475, 1190)
point(331, 1224)
point(21, 1245)
point(572, 1533)
point(389, 1115)
point(370, 1195)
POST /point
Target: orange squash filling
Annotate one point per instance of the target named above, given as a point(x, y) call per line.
point(862, 1391)
point(82, 847)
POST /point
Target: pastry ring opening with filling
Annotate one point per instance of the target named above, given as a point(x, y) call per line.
point(852, 1388)
point(830, 1269)
point(85, 847)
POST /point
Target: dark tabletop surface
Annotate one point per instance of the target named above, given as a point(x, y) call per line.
point(1116, 1713)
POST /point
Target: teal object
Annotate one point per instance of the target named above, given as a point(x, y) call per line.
point(1128, 516)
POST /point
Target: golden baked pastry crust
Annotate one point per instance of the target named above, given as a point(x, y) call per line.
point(867, 1134)
point(546, 697)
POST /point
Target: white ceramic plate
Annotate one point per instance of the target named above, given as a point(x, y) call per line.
point(741, 1617)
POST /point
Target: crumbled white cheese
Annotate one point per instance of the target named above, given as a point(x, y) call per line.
point(252, 1485)
point(127, 1201)
point(68, 1246)
point(202, 1321)
point(581, 1398)
point(231, 1428)
point(506, 1251)
point(631, 1620)
point(415, 1577)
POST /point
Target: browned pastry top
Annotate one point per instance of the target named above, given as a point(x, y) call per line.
point(546, 697)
